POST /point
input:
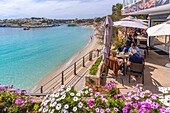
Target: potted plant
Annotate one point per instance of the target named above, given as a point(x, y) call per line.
point(92, 79)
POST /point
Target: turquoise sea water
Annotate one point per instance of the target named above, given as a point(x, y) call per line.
point(26, 56)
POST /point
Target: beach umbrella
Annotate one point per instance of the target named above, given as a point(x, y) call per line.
point(130, 18)
point(158, 30)
point(107, 38)
point(129, 23)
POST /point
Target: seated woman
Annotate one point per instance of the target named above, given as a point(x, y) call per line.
point(113, 57)
point(133, 46)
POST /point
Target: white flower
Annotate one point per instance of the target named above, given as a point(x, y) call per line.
point(72, 94)
point(74, 109)
point(45, 109)
point(58, 106)
point(61, 90)
point(167, 97)
point(85, 87)
point(142, 94)
point(90, 89)
point(153, 97)
point(56, 95)
point(80, 104)
point(58, 99)
point(75, 98)
point(81, 92)
point(40, 109)
point(68, 89)
point(168, 88)
point(53, 104)
point(52, 100)
point(52, 111)
point(86, 92)
point(65, 111)
point(62, 86)
point(63, 93)
point(52, 95)
point(63, 96)
point(78, 94)
point(66, 106)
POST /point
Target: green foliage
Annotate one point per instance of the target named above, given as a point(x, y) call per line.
point(99, 19)
point(36, 107)
point(94, 68)
point(91, 81)
point(14, 101)
point(118, 44)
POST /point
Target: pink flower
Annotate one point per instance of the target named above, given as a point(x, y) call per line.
point(113, 85)
point(115, 109)
point(18, 101)
point(23, 104)
point(106, 85)
point(97, 110)
point(123, 96)
point(97, 94)
point(135, 105)
point(115, 96)
point(91, 104)
point(101, 110)
point(103, 100)
point(31, 101)
point(19, 91)
point(101, 96)
point(109, 87)
point(107, 110)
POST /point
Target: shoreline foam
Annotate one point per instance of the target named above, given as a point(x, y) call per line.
point(91, 44)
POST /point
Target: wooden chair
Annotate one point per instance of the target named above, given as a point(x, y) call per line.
point(136, 69)
point(112, 65)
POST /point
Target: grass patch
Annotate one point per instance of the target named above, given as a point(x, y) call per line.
point(95, 66)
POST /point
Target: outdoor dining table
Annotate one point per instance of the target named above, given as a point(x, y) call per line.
point(125, 59)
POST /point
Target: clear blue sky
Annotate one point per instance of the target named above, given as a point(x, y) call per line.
point(60, 9)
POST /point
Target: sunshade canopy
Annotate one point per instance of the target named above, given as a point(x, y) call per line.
point(128, 23)
point(158, 30)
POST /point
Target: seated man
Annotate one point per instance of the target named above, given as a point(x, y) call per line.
point(133, 46)
point(135, 58)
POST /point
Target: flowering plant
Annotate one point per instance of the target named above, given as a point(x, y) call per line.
point(165, 99)
point(111, 88)
point(14, 100)
point(144, 101)
point(65, 100)
point(69, 100)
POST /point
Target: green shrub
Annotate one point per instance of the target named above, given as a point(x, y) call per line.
point(94, 68)
point(118, 44)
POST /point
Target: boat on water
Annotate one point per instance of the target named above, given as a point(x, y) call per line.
point(71, 25)
point(27, 28)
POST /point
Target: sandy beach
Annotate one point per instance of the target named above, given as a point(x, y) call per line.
point(91, 45)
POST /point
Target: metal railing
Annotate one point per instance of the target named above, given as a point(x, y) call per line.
point(60, 78)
